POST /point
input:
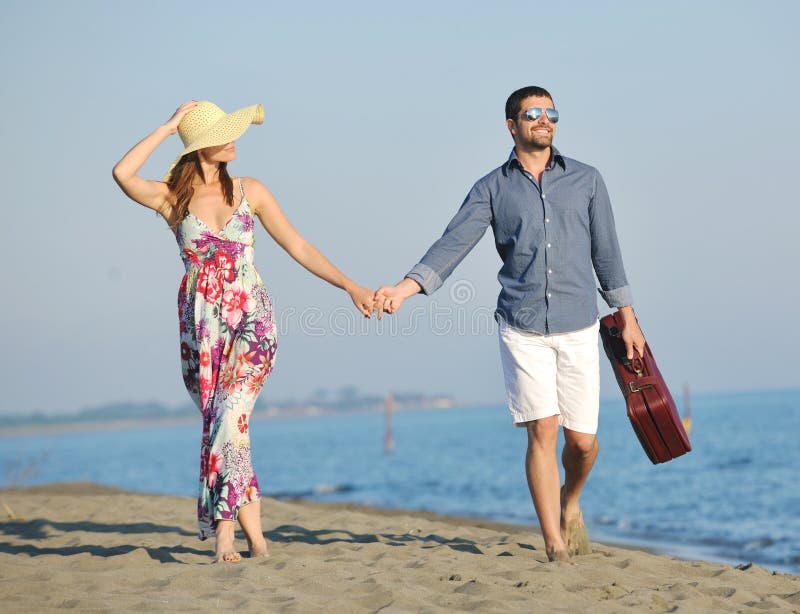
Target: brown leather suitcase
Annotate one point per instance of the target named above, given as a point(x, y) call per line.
point(651, 409)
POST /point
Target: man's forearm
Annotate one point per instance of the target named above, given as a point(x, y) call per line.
point(462, 234)
point(408, 287)
point(627, 313)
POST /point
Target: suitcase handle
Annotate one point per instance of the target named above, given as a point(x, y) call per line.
point(636, 365)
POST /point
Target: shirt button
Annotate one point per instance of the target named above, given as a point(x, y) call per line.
point(543, 196)
point(549, 271)
point(548, 246)
point(547, 220)
point(549, 294)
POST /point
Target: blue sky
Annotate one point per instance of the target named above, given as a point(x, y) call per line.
point(379, 118)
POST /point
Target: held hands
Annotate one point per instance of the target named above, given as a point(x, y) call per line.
point(172, 123)
point(632, 334)
point(386, 298)
point(391, 298)
point(363, 299)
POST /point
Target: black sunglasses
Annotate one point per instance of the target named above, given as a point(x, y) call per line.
point(535, 113)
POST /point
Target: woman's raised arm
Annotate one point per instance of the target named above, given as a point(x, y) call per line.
point(151, 194)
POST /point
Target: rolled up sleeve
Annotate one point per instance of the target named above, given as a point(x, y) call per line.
point(606, 253)
point(618, 297)
point(428, 279)
point(461, 235)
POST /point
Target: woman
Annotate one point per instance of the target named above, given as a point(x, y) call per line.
point(227, 327)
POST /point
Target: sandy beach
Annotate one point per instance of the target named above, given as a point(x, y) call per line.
point(93, 548)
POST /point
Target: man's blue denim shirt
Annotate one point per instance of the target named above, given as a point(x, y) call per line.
point(553, 238)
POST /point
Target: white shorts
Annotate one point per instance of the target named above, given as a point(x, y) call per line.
point(552, 375)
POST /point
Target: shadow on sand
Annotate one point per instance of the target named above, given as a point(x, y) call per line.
point(321, 537)
point(42, 529)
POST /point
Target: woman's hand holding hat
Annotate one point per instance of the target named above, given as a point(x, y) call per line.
point(172, 122)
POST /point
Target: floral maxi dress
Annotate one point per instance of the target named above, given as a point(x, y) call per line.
point(228, 345)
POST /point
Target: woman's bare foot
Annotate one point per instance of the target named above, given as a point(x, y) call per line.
point(224, 551)
point(250, 520)
point(258, 550)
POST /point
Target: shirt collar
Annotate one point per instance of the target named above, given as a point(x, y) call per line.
point(555, 156)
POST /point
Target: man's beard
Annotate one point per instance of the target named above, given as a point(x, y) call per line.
point(539, 142)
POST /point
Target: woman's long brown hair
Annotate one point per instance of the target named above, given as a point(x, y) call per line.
point(180, 184)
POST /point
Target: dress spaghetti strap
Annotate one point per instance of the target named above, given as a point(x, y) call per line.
point(241, 187)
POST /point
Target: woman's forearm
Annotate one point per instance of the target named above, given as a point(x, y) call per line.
point(132, 161)
point(311, 259)
point(126, 169)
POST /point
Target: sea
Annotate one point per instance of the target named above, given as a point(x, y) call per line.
point(734, 499)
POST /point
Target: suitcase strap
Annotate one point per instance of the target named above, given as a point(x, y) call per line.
point(641, 383)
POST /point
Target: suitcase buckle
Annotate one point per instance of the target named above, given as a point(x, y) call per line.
point(634, 388)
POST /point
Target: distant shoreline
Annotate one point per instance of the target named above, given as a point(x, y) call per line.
point(261, 414)
point(156, 414)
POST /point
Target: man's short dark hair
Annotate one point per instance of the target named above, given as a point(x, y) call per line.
point(514, 101)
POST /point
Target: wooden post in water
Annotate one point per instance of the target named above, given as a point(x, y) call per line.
point(388, 440)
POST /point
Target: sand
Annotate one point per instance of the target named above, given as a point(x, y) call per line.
point(92, 548)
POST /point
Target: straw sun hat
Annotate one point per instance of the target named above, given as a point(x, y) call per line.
point(207, 125)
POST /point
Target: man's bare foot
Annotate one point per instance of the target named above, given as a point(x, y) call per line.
point(573, 529)
point(224, 551)
point(561, 556)
point(577, 537)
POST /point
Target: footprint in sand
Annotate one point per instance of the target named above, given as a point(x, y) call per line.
point(718, 591)
point(472, 587)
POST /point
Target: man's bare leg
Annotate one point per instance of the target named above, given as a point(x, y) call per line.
point(541, 468)
point(224, 551)
point(578, 456)
point(250, 521)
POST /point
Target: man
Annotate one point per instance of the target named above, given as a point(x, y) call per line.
point(554, 230)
